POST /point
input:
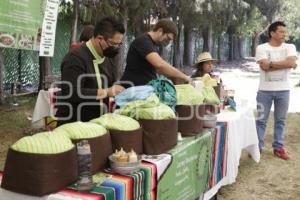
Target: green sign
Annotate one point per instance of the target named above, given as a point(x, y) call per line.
point(21, 23)
point(188, 174)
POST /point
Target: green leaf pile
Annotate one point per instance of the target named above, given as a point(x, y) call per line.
point(44, 143)
point(150, 108)
point(117, 122)
point(188, 95)
point(81, 130)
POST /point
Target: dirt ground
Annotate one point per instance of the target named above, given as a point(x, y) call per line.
point(13, 122)
point(271, 178)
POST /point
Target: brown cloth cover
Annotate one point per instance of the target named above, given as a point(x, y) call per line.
point(127, 140)
point(210, 108)
point(39, 174)
point(101, 148)
point(159, 136)
point(190, 119)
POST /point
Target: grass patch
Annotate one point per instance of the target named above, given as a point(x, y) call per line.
point(13, 119)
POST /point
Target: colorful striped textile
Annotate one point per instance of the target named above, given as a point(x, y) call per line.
point(76, 195)
point(219, 159)
point(139, 185)
point(150, 183)
point(225, 151)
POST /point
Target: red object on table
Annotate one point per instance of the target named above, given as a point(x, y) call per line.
point(111, 105)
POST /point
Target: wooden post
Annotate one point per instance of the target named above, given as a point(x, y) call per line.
point(19, 69)
point(41, 72)
point(1, 78)
point(44, 70)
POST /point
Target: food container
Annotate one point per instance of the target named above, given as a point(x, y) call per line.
point(209, 121)
point(190, 119)
point(39, 174)
point(127, 140)
point(124, 168)
point(159, 136)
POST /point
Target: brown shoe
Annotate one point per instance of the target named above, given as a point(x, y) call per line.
point(281, 153)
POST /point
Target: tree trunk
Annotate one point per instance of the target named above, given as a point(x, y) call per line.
point(236, 53)
point(119, 60)
point(230, 43)
point(230, 46)
point(74, 22)
point(188, 47)
point(220, 46)
point(254, 43)
point(207, 38)
point(213, 46)
point(240, 47)
point(177, 62)
point(1, 78)
point(139, 28)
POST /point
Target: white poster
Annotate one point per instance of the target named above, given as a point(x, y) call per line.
point(49, 28)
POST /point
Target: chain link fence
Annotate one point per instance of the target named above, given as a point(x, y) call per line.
point(62, 42)
point(22, 66)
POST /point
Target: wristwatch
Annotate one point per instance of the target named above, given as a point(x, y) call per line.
point(270, 65)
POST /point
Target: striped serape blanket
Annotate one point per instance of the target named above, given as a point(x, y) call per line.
point(139, 185)
point(219, 159)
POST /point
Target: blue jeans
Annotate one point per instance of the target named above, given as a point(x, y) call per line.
point(264, 101)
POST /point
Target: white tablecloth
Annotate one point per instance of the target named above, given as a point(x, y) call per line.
point(241, 135)
point(44, 107)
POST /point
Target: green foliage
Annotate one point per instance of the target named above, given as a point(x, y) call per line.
point(65, 9)
point(290, 14)
point(254, 23)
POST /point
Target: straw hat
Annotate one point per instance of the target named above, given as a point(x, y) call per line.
point(203, 57)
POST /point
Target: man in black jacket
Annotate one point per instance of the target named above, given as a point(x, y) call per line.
point(87, 75)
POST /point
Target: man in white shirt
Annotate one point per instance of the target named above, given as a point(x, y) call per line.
point(276, 59)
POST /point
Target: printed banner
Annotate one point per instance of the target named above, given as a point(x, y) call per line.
point(188, 174)
point(25, 24)
point(20, 23)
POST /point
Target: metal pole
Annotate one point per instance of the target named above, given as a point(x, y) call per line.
point(74, 22)
point(19, 69)
point(1, 78)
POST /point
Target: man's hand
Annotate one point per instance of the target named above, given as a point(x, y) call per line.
point(109, 92)
point(114, 90)
point(189, 80)
point(289, 63)
point(264, 64)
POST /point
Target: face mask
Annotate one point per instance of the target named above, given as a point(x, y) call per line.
point(110, 52)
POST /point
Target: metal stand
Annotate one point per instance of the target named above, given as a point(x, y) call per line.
point(13, 91)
